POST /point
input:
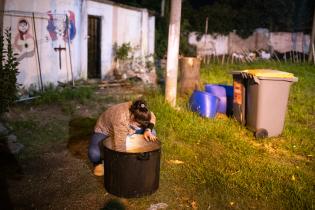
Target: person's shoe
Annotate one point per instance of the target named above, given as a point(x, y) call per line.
point(99, 170)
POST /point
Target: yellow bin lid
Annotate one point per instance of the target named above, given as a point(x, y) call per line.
point(269, 73)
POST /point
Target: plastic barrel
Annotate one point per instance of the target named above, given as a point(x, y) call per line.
point(225, 94)
point(204, 103)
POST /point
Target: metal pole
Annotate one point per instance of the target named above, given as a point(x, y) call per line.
point(172, 52)
point(67, 19)
point(206, 26)
point(310, 53)
point(162, 8)
point(36, 46)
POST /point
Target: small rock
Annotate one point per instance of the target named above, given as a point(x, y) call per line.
point(158, 206)
point(12, 138)
point(13, 145)
point(3, 130)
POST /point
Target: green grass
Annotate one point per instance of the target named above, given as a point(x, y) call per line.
point(54, 94)
point(300, 120)
point(224, 166)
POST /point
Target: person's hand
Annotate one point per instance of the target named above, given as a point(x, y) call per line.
point(148, 136)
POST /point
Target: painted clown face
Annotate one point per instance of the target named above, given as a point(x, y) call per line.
point(23, 26)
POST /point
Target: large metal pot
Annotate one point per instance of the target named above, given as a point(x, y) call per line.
point(135, 172)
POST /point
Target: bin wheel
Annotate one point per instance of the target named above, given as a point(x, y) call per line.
point(261, 133)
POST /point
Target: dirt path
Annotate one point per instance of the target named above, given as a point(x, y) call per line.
point(57, 180)
point(57, 175)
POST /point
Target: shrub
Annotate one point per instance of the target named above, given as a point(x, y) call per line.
point(123, 50)
point(8, 72)
point(53, 94)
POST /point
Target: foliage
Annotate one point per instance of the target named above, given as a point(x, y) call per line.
point(53, 94)
point(123, 51)
point(299, 129)
point(223, 165)
point(185, 49)
point(8, 72)
point(161, 34)
point(149, 64)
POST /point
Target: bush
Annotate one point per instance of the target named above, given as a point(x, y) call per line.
point(8, 72)
point(53, 94)
point(122, 51)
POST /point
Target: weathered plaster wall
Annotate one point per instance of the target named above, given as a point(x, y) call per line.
point(49, 18)
point(151, 39)
point(105, 12)
point(261, 39)
point(284, 42)
point(118, 25)
point(209, 44)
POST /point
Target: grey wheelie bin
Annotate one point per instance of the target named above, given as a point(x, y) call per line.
point(260, 99)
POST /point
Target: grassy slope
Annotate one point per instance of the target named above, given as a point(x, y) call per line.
point(225, 166)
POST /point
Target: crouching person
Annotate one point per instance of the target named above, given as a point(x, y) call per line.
point(117, 122)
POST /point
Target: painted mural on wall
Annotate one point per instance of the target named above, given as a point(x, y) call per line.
point(61, 27)
point(24, 41)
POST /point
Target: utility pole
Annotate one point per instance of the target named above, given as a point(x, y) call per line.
point(172, 52)
point(311, 55)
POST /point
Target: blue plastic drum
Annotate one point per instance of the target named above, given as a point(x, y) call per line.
point(204, 103)
point(225, 93)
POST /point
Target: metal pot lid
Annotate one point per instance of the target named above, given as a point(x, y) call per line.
point(134, 144)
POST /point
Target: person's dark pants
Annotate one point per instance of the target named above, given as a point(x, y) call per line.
point(94, 152)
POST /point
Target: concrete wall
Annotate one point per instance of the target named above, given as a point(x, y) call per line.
point(105, 12)
point(261, 39)
point(49, 19)
point(209, 45)
point(151, 35)
point(284, 42)
point(118, 25)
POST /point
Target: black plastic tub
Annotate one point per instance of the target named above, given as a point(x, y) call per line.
point(132, 174)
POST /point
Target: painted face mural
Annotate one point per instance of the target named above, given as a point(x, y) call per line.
point(23, 26)
point(24, 41)
point(61, 27)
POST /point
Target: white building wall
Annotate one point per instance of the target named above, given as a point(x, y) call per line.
point(29, 67)
point(128, 28)
point(151, 39)
point(144, 28)
point(118, 25)
point(105, 12)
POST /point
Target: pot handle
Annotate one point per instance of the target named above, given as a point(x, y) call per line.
point(144, 156)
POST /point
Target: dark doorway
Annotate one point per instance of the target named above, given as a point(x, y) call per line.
point(94, 47)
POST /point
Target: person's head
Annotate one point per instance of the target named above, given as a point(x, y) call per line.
point(140, 112)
